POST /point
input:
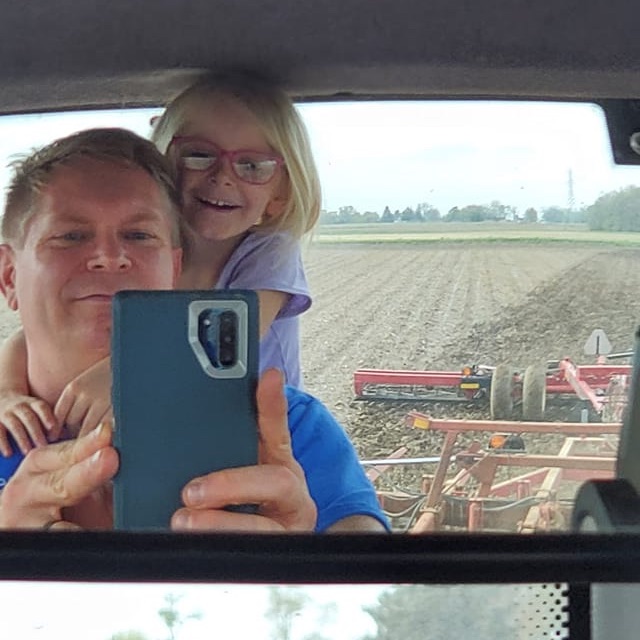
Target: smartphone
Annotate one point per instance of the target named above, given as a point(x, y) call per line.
point(185, 370)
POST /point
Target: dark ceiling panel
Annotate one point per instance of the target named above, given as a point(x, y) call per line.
point(81, 52)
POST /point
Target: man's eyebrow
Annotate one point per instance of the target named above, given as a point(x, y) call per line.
point(72, 218)
point(149, 215)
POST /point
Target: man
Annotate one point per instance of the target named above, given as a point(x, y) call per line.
point(96, 213)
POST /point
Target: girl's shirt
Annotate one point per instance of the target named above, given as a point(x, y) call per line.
point(273, 261)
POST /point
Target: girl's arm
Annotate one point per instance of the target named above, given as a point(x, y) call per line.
point(271, 265)
point(27, 418)
point(270, 304)
point(86, 401)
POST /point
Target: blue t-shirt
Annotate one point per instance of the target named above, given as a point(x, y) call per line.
point(336, 480)
point(9, 465)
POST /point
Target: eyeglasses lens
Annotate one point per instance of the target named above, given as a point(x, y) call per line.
point(254, 167)
point(251, 166)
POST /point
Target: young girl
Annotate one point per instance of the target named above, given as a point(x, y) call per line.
point(250, 191)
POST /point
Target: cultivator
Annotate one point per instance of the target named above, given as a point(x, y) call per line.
point(494, 484)
point(465, 493)
point(600, 388)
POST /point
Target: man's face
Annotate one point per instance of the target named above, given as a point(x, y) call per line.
point(99, 227)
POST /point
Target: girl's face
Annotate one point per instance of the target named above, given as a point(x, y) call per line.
point(217, 203)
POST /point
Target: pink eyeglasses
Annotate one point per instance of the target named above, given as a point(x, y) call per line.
point(254, 167)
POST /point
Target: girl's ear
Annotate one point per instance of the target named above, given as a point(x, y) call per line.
point(278, 202)
point(275, 207)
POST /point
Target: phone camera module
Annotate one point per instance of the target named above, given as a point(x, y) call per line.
point(218, 335)
point(228, 338)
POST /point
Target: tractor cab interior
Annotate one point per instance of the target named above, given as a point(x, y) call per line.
point(474, 276)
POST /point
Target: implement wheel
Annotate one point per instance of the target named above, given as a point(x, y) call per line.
point(534, 392)
point(501, 396)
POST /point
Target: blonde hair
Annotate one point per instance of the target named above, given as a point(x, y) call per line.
point(283, 129)
point(32, 173)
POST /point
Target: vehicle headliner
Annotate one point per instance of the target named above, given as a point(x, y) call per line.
point(85, 53)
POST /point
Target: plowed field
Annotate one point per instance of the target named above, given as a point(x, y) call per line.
point(442, 306)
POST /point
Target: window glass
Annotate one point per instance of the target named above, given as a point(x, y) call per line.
point(474, 263)
point(475, 266)
point(75, 611)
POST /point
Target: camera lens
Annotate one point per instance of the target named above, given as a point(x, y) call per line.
point(227, 338)
point(218, 335)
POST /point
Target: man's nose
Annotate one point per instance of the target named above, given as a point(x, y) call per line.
point(109, 254)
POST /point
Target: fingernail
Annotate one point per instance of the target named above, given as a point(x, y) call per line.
point(180, 520)
point(194, 493)
point(101, 428)
point(95, 457)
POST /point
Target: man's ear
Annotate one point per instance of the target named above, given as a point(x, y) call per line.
point(8, 275)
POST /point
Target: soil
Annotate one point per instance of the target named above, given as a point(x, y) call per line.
point(443, 306)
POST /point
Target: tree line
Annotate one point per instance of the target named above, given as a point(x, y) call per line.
point(613, 211)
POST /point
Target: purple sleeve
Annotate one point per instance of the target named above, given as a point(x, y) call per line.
point(269, 261)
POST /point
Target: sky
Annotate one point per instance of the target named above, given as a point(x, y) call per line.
point(372, 155)
point(454, 154)
point(92, 611)
point(87, 611)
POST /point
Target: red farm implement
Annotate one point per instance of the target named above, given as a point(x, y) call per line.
point(600, 387)
point(497, 489)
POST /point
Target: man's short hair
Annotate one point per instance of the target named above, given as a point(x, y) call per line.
point(31, 174)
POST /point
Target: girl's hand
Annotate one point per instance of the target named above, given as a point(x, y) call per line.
point(29, 420)
point(86, 400)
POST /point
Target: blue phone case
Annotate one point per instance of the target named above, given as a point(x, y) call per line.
point(181, 408)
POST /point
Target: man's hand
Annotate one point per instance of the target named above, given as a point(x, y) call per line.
point(277, 485)
point(57, 476)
